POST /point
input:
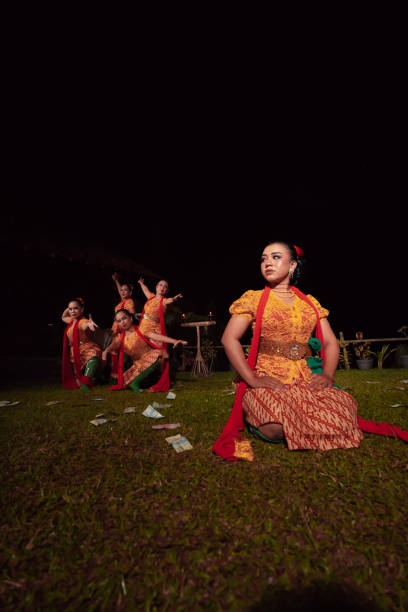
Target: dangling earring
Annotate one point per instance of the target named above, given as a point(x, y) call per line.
point(290, 274)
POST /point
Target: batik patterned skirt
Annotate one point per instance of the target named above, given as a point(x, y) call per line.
point(324, 420)
point(141, 364)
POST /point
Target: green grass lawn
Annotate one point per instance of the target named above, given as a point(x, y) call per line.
point(112, 518)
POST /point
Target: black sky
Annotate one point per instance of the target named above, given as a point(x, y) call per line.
point(191, 177)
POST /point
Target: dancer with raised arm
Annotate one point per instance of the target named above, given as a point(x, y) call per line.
point(152, 320)
point(125, 293)
point(280, 397)
point(144, 351)
point(80, 357)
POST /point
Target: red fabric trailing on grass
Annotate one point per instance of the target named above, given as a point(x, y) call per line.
point(68, 378)
point(225, 444)
point(163, 383)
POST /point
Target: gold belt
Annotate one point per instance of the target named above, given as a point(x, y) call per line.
point(290, 350)
point(152, 319)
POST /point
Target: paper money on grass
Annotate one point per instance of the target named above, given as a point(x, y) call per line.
point(152, 413)
point(181, 445)
point(99, 421)
point(157, 405)
point(53, 403)
point(166, 426)
point(171, 395)
point(129, 410)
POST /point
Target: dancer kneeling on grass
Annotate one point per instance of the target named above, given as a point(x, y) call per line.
point(144, 353)
point(285, 393)
point(80, 358)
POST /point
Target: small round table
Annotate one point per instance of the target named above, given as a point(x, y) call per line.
point(199, 365)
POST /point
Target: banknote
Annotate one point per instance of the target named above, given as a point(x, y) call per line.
point(172, 439)
point(171, 395)
point(399, 405)
point(179, 443)
point(98, 399)
point(166, 426)
point(152, 413)
point(157, 405)
point(129, 410)
point(98, 421)
point(53, 403)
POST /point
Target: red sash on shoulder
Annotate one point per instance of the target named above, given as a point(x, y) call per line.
point(68, 379)
point(120, 358)
point(225, 445)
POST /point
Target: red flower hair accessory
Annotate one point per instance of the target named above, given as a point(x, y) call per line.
point(298, 250)
point(80, 300)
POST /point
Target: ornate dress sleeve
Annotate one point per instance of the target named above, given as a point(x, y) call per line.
point(323, 312)
point(130, 305)
point(245, 306)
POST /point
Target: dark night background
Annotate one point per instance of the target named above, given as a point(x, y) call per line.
point(189, 173)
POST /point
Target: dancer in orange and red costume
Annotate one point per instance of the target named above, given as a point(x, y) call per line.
point(80, 357)
point(279, 397)
point(152, 320)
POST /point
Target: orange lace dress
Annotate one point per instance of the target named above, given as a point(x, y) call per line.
point(324, 419)
point(151, 316)
point(142, 355)
point(87, 347)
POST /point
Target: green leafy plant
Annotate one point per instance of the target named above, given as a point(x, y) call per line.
point(362, 350)
point(383, 354)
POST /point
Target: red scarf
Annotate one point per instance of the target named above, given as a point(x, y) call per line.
point(69, 381)
point(225, 445)
point(120, 360)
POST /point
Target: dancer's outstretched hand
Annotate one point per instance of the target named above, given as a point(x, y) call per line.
point(173, 299)
point(91, 324)
point(179, 342)
point(141, 280)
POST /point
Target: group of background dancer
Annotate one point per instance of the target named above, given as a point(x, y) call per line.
point(285, 392)
point(136, 350)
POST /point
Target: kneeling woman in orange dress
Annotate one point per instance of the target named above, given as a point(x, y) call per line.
point(80, 357)
point(279, 397)
point(143, 350)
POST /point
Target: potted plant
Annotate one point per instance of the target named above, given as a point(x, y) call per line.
point(383, 354)
point(363, 353)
